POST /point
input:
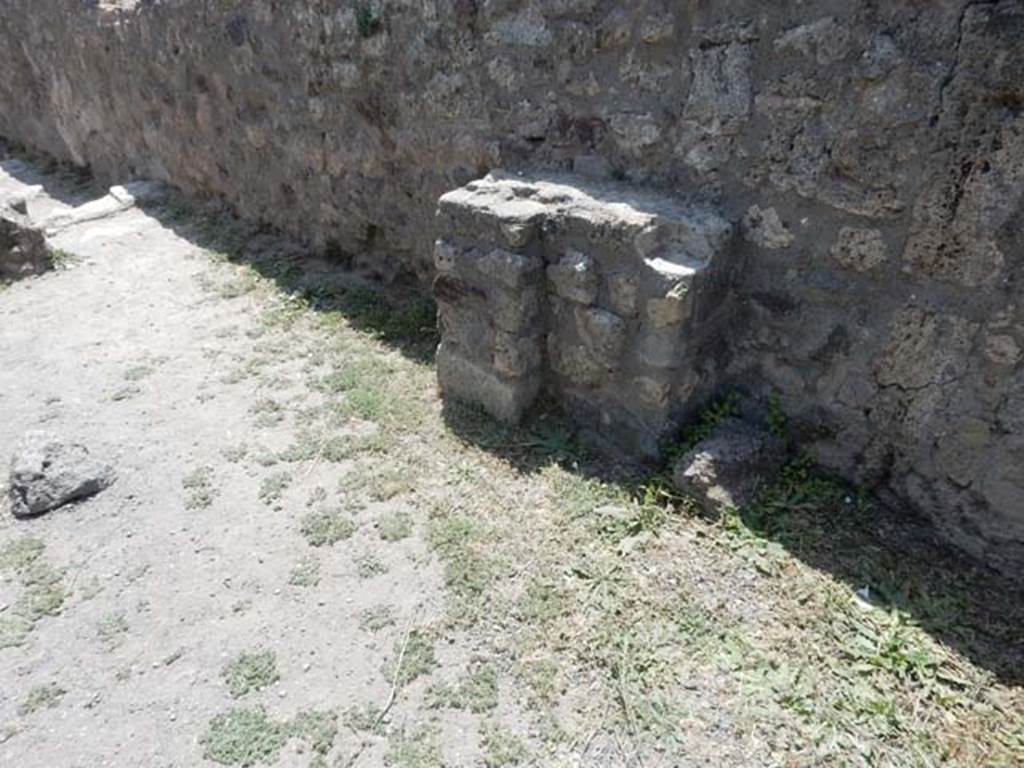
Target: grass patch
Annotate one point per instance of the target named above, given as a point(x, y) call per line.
point(369, 566)
point(377, 618)
point(14, 631)
point(272, 488)
point(18, 554)
point(138, 373)
point(417, 660)
point(326, 527)
point(365, 719)
point(417, 748)
point(477, 692)
point(317, 728)
point(305, 573)
point(39, 697)
point(243, 737)
point(198, 487)
point(250, 671)
point(43, 594)
point(501, 747)
point(394, 526)
point(111, 629)
point(267, 412)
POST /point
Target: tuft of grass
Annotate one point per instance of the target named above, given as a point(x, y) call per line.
point(250, 671)
point(19, 554)
point(367, 719)
point(776, 419)
point(268, 412)
point(477, 692)
point(417, 660)
point(317, 728)
point(243, 737)
point(305, 573)
point(502, 748)
point(467, 572)
point(327, 527)
point(394, 526)
point(418, 748)
point(62, 259)
point(272, 488)
point(138, 373)
point(235, 453)
point(112, 628)
point(367, 20)
point(43, 593)
point(198, 486)
point(369, 566)
point(45, 696)
point(14, 631)
point(377, 618)
point(717, 411)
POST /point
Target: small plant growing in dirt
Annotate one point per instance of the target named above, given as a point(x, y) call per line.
point(413, 657)
point(501, 747)
point(306, 573)
point(477, 692)
point(111, 629)
point(317, 728)
point(369, 566)
point(377, 618)
point(327, 527)
point(199, 490)
point(251, 671)
point(418, 748)
point(43, 594)
point(776, 417)
point(138, 373)
point(368, 20)
point(394, 526)
point(243, 737)
point(273, 487)
point(367, 718)
point(19, 554)
point(41, 697)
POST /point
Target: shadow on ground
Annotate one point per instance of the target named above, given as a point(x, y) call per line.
point(897, 556)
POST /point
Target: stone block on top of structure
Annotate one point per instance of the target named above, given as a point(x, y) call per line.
point(585, 288)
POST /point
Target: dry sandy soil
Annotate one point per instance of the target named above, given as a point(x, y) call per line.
point(307, 561)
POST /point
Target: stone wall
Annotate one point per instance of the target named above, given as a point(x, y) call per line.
point(870, 154)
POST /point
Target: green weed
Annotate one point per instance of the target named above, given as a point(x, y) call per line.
point(250, 671)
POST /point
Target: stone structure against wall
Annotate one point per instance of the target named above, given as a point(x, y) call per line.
point(599, 294)
point(873, 153)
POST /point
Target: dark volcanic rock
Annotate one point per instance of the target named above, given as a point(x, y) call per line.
point(47, 472)
point(23, 249)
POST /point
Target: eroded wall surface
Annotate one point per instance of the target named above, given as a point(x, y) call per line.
point(871, 155)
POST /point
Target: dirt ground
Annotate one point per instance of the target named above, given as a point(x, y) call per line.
point(307, 560)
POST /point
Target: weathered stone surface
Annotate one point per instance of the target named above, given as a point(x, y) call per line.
point(575, 277)
point(846, 119)
point(47, 472)
point(727, 468)
point(765, 228)
point(603, 333)
point(610, 249)
point(504, 398)
point(860, 249)
point(23, 249)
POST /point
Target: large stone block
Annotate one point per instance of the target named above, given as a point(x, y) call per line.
point(504, 398)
